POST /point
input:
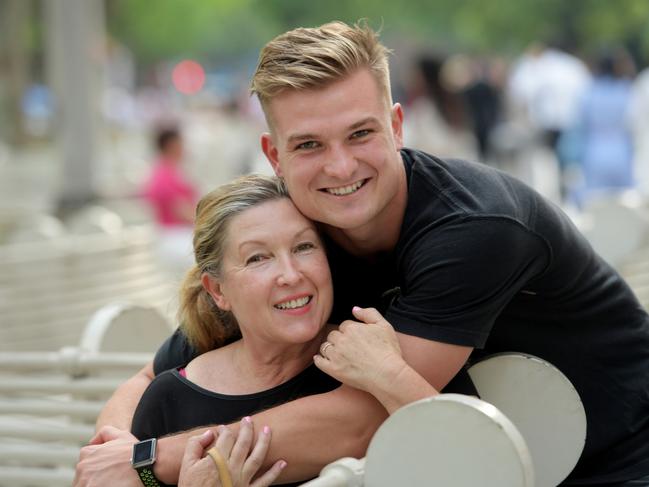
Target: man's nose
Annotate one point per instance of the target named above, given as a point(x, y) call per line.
point(341, 163)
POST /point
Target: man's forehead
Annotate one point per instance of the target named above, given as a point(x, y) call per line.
point(359, 76)
point(299, 119)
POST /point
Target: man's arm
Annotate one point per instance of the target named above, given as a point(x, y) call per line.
point(308, 433)
point(119, 409)
point(313, 431)
point(366, 354)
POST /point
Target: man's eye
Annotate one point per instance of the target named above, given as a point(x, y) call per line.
point(311, 144)
point(360, 133)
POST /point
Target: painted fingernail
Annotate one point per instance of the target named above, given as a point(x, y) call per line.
point(248, 419)
point(266, 430)
point(282, 464)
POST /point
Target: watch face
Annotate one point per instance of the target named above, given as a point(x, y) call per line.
point(144, 453)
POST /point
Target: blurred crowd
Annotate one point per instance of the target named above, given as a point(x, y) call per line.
point(571, 127)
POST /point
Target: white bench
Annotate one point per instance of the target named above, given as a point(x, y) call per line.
point(48, 290)
point(49, 401)
point(533, 438)
point(616, 225)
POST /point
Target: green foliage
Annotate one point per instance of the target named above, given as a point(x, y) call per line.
point(218, 29)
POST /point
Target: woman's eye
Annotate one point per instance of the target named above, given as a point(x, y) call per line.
point(305, 246)
point(254, 258)
point(311, 144)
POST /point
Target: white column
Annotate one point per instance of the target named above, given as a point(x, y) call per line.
point(75, 56)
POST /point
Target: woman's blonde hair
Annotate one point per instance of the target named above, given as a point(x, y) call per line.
point(203, 323)
point(307, 58)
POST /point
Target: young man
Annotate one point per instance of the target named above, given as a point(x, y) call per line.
point(460, 258)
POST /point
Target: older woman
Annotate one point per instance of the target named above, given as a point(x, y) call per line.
point(255, 304)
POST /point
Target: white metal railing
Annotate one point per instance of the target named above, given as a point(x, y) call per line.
point(38, 455)
point(84, 410)
point(72, 361)
point(36, 477)
point(78, 434)
point(49, 289)
point(49, 401)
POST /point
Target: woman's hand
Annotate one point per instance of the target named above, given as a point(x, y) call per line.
point(196, 469)
point(364, 354)
point(242, 463)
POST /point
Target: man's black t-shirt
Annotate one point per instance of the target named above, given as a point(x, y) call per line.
point(484, 261)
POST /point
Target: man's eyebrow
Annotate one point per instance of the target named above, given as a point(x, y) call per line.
point(300, 137)
point(362, 122)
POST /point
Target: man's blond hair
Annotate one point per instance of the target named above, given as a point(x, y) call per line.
point(307, 58)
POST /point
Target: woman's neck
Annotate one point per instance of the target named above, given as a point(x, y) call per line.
point(248, 366)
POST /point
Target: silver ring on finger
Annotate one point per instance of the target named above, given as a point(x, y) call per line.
point(324, 347)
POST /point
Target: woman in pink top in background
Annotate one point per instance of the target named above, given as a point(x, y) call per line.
point(171, 195)
point(172, 198)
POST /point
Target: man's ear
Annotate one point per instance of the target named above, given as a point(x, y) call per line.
point(213, 288)
point(270, 150)
point(397, 125)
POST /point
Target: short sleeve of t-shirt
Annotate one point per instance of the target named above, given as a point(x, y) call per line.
point(458, 277)
point(173, 353)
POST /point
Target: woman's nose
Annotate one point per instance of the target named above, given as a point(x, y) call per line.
point(289, 273)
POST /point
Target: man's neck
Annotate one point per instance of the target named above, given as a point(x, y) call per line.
point(379, 235)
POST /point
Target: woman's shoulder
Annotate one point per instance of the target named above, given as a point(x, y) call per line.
point(214, 358)
point(165, 378)
point(200, 370)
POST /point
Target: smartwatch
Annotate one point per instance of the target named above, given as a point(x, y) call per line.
point(143, 459)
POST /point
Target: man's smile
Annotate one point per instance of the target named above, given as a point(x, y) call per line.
point(345, 190)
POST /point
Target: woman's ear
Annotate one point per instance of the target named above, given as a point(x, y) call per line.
point(213, 288)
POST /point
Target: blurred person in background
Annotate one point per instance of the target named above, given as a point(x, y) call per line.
point(472, 80)
point(172, 198)
point(544, 89)
point(600, 142)
point(639, 117)
point(435, 119)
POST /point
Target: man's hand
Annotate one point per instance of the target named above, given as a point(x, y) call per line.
point(106, 458)
point(366, 354)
